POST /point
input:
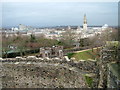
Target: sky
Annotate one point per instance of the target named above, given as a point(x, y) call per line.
point(40, 14)
point(60, 0)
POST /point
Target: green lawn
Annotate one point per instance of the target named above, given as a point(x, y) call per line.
point(85, 55)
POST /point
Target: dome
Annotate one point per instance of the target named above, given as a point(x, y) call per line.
point(105, 26)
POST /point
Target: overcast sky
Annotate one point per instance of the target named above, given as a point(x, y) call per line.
point(39, 14)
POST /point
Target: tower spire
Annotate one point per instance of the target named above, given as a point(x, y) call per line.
point(85, 20)
point(85, 23)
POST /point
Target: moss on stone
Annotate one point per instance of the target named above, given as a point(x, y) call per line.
point(89, 80)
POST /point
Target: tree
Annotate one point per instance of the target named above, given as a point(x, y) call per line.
point(6, 41)
point(109, 34)
point(84, 42)
point(68, 38)
point(32, 38)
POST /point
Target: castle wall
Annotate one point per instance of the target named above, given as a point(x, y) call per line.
point(37, 73)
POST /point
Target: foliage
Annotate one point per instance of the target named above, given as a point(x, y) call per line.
point(70, 55)
point(109, 35)
point(89, 80)
point(84, 42)
point(112, 43)
point(68, 39)
point(32, 38)
point(25, 43)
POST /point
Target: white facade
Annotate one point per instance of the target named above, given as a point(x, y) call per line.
point(85, 27)
point(22, 27)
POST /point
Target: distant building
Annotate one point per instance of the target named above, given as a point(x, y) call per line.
point(56, 33)
point(78, 28)
point(55, 51)
point(14, 29)
point(104, 27)
point(69, 28)
point(22, 27)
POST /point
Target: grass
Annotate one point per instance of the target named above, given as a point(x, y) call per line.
point(89, 80)
point(70, 55)
point(85, 55)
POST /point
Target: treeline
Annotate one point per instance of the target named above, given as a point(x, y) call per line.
point(23, 45)
point(32, 43)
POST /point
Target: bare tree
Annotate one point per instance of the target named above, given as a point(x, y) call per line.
point(68, 38)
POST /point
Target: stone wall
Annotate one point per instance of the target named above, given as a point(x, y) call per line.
point(113, 79)
point(38, 73)
point(108, 55)
point(86, 65)
point(83, 65)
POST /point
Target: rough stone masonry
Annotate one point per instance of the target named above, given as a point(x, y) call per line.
point(40, 74)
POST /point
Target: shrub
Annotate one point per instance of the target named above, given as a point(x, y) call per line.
point(70, 55)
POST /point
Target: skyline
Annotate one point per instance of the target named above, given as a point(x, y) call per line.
point(44, 14)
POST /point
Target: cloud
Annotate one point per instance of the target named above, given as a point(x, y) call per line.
point(54, 13)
